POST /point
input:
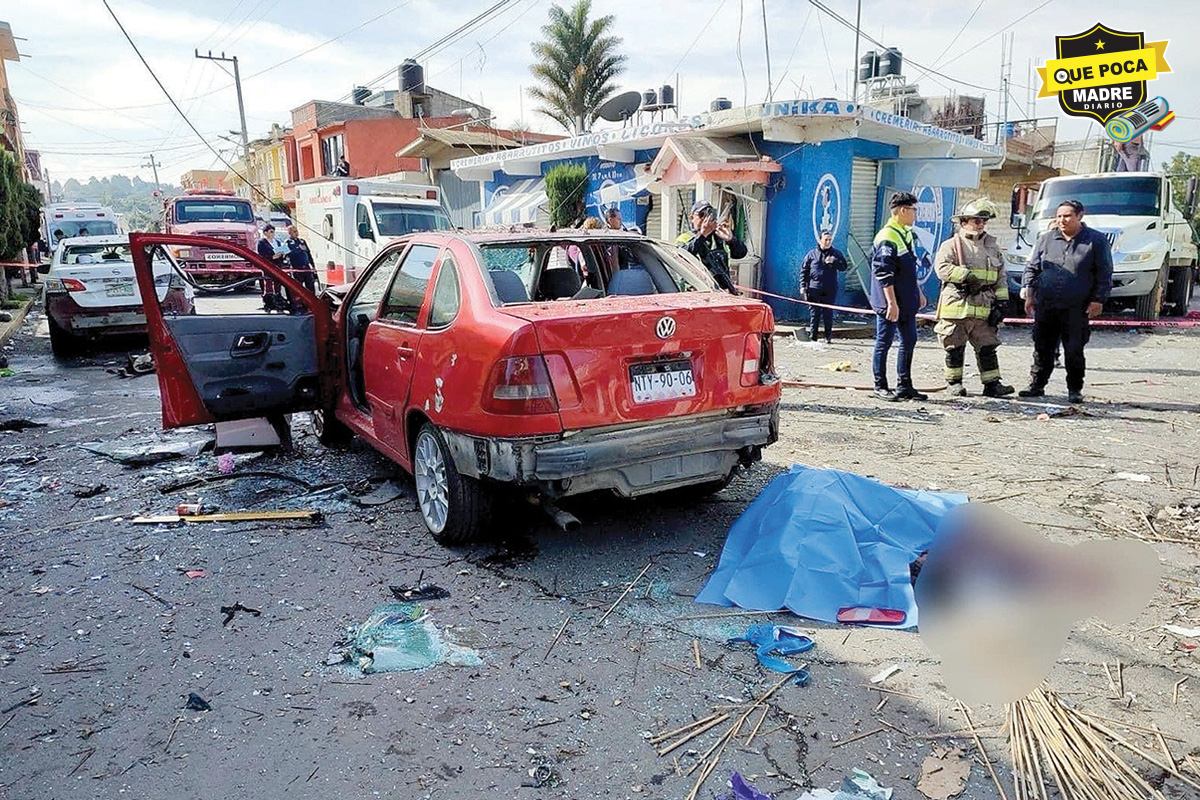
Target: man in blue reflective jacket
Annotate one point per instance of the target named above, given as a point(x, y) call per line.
point(896, 298)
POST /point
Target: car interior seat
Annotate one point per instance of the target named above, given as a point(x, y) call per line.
point(631, 281)
point(559, 283)
point(509, 287)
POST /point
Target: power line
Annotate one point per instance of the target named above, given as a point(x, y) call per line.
point(946, 49)
point(796, 44)
point(828, 60)
point(441, 43)
point(694, 41)
point(194, 129)
point(928, 70)
point(997, 33)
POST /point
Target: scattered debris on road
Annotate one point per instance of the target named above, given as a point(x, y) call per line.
point(859, 786)
point(944, 773)
point(399, 637)
point(144, 455)
point(772, 640)
point(231, 611)
point(197, 703)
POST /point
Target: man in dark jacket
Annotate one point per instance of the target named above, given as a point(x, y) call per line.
point(896, 298)
point(713, 243)
point(1065, 284)
point(300, 260)
point(819, 281)
point(272, 297)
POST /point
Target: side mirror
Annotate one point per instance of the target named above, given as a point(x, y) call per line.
point(1017, 221)
point(364, 231)
point(1190, 203)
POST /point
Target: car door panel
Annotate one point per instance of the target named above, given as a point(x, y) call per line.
point(250, 365)
point(236, 366)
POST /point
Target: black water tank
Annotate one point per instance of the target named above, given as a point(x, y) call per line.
point(666, 96)
point(891, 62)
point(649, 99)
point(868, 66)
point(412, 77)
point(361, 93)
point(720, 104)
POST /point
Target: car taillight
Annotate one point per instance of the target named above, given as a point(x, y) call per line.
point(431, 194)
point(752, 359)
point(520, 386)
point(72, 285)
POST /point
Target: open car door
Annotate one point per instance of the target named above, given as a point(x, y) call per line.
point(232, 359)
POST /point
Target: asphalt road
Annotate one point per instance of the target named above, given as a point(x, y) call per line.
point(103, 635)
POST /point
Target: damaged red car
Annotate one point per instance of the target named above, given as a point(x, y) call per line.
point(555, 363)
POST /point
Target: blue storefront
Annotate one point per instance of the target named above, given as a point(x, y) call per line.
point(790, 169)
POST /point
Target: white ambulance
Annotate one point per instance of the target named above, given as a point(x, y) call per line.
point(347, 221)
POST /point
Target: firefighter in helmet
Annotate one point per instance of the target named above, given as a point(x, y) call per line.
point(974, 292)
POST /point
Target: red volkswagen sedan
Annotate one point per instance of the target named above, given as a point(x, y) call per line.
point(559, 363)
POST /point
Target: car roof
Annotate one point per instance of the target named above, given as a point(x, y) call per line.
point(542, 234)
point(95, 240)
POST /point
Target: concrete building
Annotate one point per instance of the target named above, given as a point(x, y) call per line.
point(209, 179)
point(10, 120)
point(781, 171)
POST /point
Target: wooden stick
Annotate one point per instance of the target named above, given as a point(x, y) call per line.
point(557, 636)
point(761, 720)
point(677, 668)
point(1130, 725)
point(171, 738)
point(662, 737)
point(1166, 750)
point(1127, 744)
point(627, 590)
point(1175, 691)
point(694, 734)
point(859, 736)
point(886, 690)
point(696, 652)
point(979, 744)
point(1120, 679)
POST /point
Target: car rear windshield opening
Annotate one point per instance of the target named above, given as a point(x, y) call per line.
point(537, 271)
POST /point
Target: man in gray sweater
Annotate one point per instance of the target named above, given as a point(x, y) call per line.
point(1066, 282)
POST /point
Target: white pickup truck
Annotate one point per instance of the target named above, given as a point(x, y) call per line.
point(1153, 245)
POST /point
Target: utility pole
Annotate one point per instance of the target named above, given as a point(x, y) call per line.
point(237, 82)
point(767, 49)
point(854, 74)
point(154, 165)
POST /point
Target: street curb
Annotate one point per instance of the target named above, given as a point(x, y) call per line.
point(10, 328)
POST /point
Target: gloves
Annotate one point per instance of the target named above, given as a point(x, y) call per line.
point(996, 316)
point(971, 285)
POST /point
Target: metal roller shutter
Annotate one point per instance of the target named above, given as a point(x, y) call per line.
point(654, 216)
point(864, 187)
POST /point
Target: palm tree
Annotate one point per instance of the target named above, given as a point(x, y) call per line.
point(577, 61)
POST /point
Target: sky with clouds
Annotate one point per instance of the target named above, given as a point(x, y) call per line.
point(91, 107)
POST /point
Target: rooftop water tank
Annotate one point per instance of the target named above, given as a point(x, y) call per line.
point(720, 104)
point(868, 65)
point(891, 62)
point(666, 96)
point(412, 77)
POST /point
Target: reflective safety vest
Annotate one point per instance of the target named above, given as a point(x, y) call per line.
point(972, 274)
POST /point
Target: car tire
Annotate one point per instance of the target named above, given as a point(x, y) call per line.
point(455, 507)
point(329, 430)
point(1149, 306)
point(63, 344)
point(1179, 290)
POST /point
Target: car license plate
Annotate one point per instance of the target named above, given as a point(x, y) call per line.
point(123, 289)
point(665, 380)
point(222, 257)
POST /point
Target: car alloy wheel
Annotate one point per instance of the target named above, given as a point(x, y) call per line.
point(433, 487)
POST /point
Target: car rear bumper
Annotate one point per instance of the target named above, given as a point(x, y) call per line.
point(108, 320)
point(632, 460)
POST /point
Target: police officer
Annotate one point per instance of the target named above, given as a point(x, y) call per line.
point(974, 289)
point(819, 281)
point(713, 243)
point(300, 260)
point(1065, 284)
point(896, 298)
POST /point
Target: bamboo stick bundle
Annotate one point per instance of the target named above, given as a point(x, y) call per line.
point(1051, 742)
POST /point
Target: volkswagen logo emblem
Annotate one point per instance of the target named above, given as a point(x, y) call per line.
point(665, 328)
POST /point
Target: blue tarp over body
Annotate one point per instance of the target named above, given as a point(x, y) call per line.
point(818, 540)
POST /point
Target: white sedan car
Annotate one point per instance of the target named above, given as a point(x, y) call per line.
point(91, 291)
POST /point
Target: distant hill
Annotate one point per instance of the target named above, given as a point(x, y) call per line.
point(132, 197)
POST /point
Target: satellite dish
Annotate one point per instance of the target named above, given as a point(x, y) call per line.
point(621, 107)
